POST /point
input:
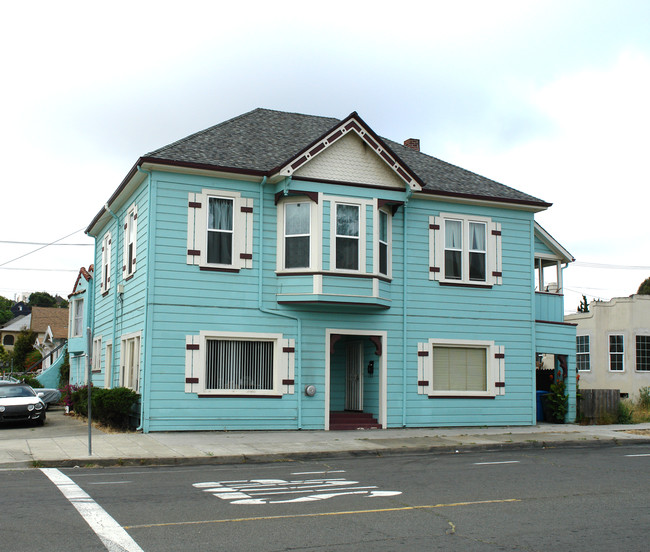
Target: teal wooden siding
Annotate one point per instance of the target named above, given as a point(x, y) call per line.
point(549, 307)
point(169, 299)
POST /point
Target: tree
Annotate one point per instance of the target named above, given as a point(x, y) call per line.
point(584, 305)
point(22, 347)
point(41, 299)
point(5, 310)
point(644, 288)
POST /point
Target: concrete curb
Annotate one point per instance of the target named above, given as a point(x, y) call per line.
point(316, 455)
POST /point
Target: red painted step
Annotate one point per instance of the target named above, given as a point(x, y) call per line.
point(352, 420)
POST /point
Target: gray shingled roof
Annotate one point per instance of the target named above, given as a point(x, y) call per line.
point(262, 140)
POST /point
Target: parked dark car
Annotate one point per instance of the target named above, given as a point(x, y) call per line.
point(20, 403)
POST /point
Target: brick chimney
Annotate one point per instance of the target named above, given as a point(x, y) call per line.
point(413, 143)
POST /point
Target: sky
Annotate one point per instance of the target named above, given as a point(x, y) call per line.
point(549, 97)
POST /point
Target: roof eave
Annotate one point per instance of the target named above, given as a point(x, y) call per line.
point(536, 206)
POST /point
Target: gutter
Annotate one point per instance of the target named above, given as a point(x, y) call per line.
point(409, 193)
point(298, 363)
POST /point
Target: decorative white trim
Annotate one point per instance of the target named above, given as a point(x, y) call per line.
point(356, 126)
point(382, 416)
point(197, 229)
point(128, 269)
point(282, 362)
point(315, 234)
point(108, 364)
point(106, 272)
point(493, 261)
point(495, 368)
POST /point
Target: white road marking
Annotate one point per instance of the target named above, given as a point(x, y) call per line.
point(633, 455)
point(318, 472)
point(109, 482)
point(490, 463)
point(266, 491)
point(111, 533)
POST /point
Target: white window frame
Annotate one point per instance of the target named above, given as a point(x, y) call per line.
point(108, 364)
point(610, 352)
point(125, 372)
point(495, 367)
point(389, 243)
point(586, 353)
point(97, 354)
point(493, 257)
point(130, 239)
point(77, 318)
point(105, 274)
point(314, 235)
point(636, 353)
point(197, 230)
point(275, 338)
point(362, 206)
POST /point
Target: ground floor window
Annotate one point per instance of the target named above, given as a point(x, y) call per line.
point(130, 362)
point(616, 353)
point(461, 368)
point(643, 353)
point(239, 365)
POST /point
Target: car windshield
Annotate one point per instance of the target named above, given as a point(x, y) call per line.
point(9, 391)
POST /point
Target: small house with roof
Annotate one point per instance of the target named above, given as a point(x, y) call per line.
point(289, 271)
point(81, 308)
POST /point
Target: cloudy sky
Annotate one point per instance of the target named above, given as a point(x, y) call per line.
point(550, 97)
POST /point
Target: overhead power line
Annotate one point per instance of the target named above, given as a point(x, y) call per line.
point(612, 266)
point(42, 243)
point(43, 247)
point(41, 269)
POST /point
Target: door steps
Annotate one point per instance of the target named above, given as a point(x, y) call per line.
point(352, 420)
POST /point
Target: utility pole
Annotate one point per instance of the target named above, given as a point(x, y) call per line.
point(89, 384)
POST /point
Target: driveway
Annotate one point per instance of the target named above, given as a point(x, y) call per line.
point(57, 424)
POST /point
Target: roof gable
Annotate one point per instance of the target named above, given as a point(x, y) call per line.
point(550, 246)
point(56, 319)
point(349, 159)
point(331, 146)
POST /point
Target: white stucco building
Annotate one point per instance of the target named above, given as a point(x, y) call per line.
point(613, 344)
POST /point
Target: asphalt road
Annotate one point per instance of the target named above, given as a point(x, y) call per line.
point(534, 500)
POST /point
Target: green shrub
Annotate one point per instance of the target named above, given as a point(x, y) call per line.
point(112, 407)
point(624, 413)
point(31, 380)
point(644, 397)
point(558, 402)
point(64, 374)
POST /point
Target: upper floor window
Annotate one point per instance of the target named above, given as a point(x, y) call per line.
point(220, 230)
point(464, 249)
point(130, 240)
point(347, 236)
point(297, 235)
point(8, 340)
point(582, 353)
point(77, 317)
point(105, 283)
point(384, 243)
point(616, 353)
point(643, 353)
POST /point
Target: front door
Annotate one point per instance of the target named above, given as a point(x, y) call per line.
point(354, 377)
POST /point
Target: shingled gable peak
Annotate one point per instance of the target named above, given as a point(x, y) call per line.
point(352, 125)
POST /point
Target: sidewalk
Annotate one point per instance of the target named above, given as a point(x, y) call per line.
point(67, 443)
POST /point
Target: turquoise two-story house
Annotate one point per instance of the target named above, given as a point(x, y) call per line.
point(278, 270)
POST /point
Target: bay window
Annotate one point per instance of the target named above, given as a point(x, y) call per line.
point(297, 235)
point(347, 236)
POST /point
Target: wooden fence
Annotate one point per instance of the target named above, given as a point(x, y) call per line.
point(598, 406)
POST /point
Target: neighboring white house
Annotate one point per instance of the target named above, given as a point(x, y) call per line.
point(613, 344)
